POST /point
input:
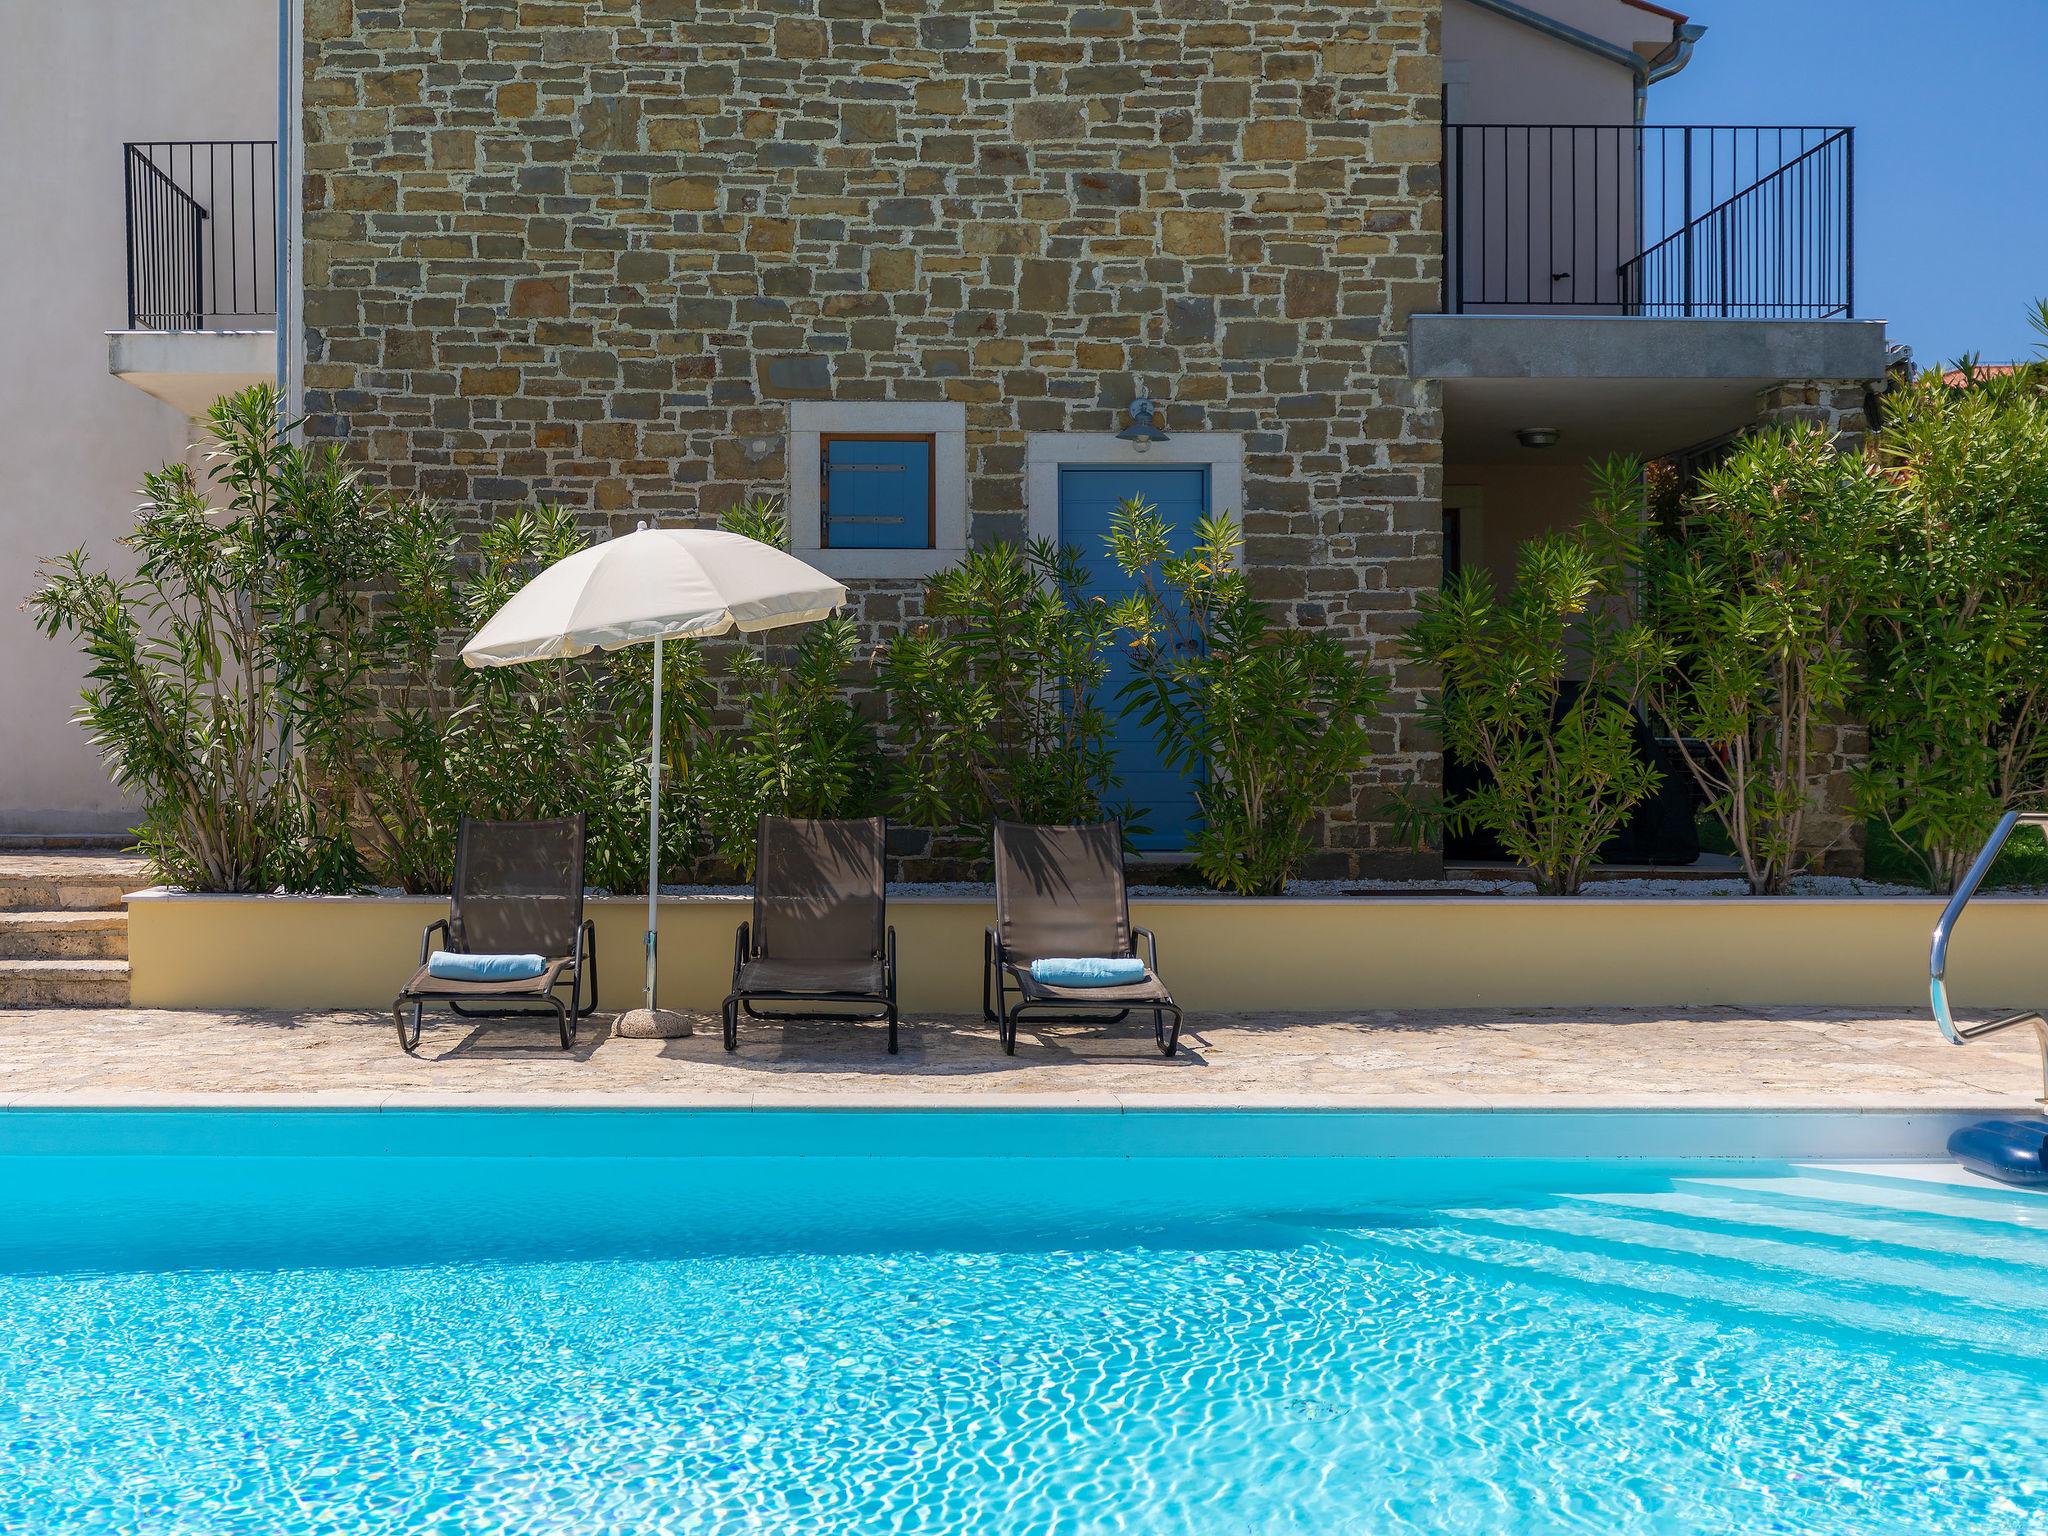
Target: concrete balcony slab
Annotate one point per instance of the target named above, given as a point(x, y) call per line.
point(1500, 346)
point(191, 369)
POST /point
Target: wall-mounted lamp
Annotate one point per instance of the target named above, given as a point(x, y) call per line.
point(1537, 437)
point(1144, 429)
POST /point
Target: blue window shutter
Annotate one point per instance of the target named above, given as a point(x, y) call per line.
point(877, 492)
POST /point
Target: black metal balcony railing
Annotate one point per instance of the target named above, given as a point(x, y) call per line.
point(202, 234)
point(1752, 223)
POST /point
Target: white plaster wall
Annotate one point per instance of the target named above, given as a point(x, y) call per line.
point(1506, 72)
point(1501, 71)
point(78, 78)
point(1507, 504)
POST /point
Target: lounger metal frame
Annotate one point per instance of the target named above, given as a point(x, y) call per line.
point(996, 1007)
point(1005, 1015)
point(408, 1012)
point(882, 1003)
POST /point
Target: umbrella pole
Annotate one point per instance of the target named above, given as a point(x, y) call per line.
point(654, 821)
point(649, 1022)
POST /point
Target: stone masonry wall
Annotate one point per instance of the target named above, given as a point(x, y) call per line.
point(587, 251)
point(1833, 836)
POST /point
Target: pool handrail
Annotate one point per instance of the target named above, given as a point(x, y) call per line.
point(1944, 928)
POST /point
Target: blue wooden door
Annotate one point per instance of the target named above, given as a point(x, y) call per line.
point(1088, 495)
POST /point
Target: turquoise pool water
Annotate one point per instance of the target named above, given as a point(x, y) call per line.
point(357, 1341)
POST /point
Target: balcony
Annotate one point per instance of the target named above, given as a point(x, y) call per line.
point(1633, 289)
point(1679, 222)
point(201, 222)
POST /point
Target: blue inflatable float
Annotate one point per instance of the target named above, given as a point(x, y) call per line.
point(2011, 1151)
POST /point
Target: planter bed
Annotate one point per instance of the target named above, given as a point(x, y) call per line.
point(1417, 948)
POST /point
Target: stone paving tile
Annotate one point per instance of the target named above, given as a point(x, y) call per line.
point(1447, 1058)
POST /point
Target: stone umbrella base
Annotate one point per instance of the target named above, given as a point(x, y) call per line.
point(653, 1024)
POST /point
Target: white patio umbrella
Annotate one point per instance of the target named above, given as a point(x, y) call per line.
point(654, 584)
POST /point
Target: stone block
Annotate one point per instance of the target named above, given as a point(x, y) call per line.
point(490, 381)
point(696, 194)
point(1405, 143)
point(537, 297)
point(1004, 239)
point(1190, 321)
point(800, 38)
point(363, 193)
point(770, 235)
point(1045, 286)
point(608, 440)
point(1275, 138)
point(1107, 189)
point(1351, 57)
point(795, 377)
point(1311, 293)
point(1259, 339)
point(1036, 121)
point(1192, 234)
point(867, 123)
point(892, 271)
point(703, 314)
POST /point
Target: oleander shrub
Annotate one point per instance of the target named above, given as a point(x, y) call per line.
point(994, 700)
point(1749, 645)
point(1955, 690)
point(554, 738)
point(1536, 687)
point(800, 747)
point(228, 676)
point(1269, 724)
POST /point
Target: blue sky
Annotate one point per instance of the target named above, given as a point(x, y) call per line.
point(1951, 145)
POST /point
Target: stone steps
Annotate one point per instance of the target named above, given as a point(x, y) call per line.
point(63, 983)
point(64, 928)
point(99, 842)
point(68, 881)
point(64, 935)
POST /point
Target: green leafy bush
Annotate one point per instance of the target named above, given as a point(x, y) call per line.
point(800, 748)
point(1561, 760)
point(1752, 614)
point(1268, 724)
point(1956, 693)
point(278, 685)
point(555, 738)
point(227, 675)
point(994, 704)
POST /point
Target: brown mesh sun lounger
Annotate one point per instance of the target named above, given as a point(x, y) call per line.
point(820, 933)
point(518, 890)
point(1060, 895)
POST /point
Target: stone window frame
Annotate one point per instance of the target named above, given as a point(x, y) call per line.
point(945, 423)
point(1046, 452)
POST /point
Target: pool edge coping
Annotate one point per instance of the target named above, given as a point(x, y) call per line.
point(603, 1101)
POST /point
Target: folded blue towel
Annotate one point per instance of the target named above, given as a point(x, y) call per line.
point(1088, 973)
point(446, 965)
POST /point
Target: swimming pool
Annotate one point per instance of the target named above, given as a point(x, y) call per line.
point(458, 1322)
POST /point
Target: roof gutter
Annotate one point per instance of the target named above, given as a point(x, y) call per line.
point(1678, 55)
point(1645, 71)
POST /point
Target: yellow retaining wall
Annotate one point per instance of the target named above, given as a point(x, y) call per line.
point(1217, 954)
